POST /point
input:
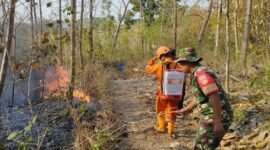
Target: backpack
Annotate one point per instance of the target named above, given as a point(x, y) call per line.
point(172, 87)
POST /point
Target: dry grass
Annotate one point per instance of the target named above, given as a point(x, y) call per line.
point(98, 130)
point(95, 79)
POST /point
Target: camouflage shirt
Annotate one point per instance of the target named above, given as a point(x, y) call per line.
point(205, 83)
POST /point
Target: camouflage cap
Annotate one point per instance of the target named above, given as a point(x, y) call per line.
point(188, 54)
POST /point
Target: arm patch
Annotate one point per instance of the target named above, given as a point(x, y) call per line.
point(206, 83)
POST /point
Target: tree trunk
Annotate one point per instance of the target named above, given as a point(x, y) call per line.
point(13, 79)
point(205, 21)
point(91, 27)
point(81, 32)
point(35, 17)
point(41, 30)
point(73, 47)
point(227, 87)
point(4, 13)
point(7, 51)
point(267, 30)
point(33, 43)
point(119, 25)
point(32, 21)
point(246, 35)
point(175, 24)
point(60, 33)
point(13, 70)
point(29, 88)
point(40, 15)
point(142, 29)
point(218, 28)
point(235, 26)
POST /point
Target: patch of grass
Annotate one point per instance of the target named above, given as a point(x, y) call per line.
point(266, 125)
point(83, 108)
point(267, 76)
point(103, 138)
point(258, 80)
point(95, 79)
point(238, 116)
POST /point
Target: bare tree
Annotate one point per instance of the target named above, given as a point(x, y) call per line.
point(235, 25)
point(32, 21)
point(32, 15)
point(4, 19)
point(60, 32)
point(119, 24)
point(175, 24)
point(81, 32)
point(218, 27)
point(267, 29)
point(13, 59)
point(227, 46)
point(246, 35)
point(35, 16)
point(91, 28)
point(4, 64)
point(142, 28)
point(206, 19)
point(40, 15)
point(73, 47)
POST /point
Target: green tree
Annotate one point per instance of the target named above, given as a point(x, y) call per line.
point(129, 21)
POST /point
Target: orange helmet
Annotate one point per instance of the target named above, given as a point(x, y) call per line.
point(162, 50)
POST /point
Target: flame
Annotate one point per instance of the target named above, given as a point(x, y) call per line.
point(81, 96)
point(56, 83)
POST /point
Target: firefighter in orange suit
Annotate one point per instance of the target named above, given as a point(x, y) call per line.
point(164, 58)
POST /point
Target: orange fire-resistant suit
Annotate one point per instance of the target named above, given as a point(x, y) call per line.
point(163, 106)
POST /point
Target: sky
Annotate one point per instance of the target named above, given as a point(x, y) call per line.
point(51, 13)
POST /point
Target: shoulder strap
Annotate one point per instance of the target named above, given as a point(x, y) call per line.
point(166, 65)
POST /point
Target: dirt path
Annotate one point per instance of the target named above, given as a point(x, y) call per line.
point(134, 103)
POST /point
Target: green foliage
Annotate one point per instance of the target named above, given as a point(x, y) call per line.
point(266, 125)
point(258, 80)
point(102, 139)
point(267, 76)
point(150, 9)
point(255, 80)
point(83, 109)
point(68, 11)
point(238, 116)
point(129, 21)
point(24, 136)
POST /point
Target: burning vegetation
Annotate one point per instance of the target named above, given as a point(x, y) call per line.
point(56, 84)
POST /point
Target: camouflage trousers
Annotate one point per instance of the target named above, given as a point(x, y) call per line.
point(206, 138)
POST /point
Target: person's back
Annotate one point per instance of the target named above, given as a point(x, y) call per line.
point(158, 68)
point(164, 108)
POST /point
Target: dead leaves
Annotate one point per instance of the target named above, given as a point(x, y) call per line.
point(261, 144)
point(254, 140)
point(44, 38)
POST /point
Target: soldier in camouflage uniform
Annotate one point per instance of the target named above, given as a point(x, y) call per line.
point(215, 111)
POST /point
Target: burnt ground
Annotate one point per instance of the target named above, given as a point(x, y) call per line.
point(52, 129)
